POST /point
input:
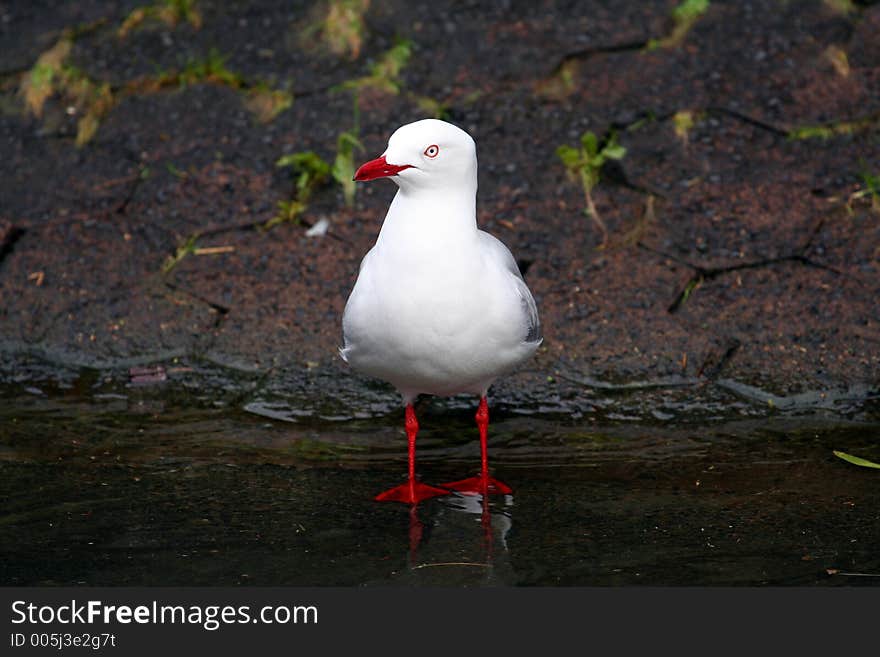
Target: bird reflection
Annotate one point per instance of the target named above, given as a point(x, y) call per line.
point(416, 528)
point(442, 548)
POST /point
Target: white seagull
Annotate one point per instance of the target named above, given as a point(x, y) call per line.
point(439, 307)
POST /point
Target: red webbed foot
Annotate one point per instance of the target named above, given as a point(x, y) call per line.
point(480, 486)
point(412, 492)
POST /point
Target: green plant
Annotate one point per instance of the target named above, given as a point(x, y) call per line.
point(689, 289)
point(100, 100)
point(834, 128)
point(90, 100)
point(634, 235)
point(689, 10)
point(855, 460)
point(870, 187)
point(312, 172)
point(684, 16)
point(584, 164)
point(288, 212)
point(342, 28)
point(175, 171)
point(187, 247)
point(684, 122)
point(42, 81)
point(845, 7)
point(343, 165)
point(838, 58)
point(211, 68)
point(561, 83)
point(266, 103)
point(169, 12)
point(52, 75)
point(208, 69)
point(434, 108)
point(385, 73)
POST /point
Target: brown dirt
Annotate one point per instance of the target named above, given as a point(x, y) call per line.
point(783, 278)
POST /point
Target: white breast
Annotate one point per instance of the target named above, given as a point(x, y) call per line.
point(441, 322)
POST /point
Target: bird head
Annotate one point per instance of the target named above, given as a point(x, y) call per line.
point(427, 154)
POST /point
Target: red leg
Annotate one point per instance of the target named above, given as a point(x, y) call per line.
point(412, 491)
point(482, 484)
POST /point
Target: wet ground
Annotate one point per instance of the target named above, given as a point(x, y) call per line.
point(108, 482)
point(173, 406)
point(743, 232)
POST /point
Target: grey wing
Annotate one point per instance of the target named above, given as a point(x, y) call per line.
point(531, 311)
point(529, 307)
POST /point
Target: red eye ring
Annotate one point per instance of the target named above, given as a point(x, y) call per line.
point(432, 151)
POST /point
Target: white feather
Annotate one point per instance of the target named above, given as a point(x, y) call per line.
point(439, 307)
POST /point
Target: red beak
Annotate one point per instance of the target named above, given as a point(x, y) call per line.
point(379, 168)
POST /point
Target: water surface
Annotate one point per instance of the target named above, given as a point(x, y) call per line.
point(109, 483)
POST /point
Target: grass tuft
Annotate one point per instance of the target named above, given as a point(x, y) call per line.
point(384, 75)
point(169, 12)
point(267, 103)
point(43, 80)
point(51, 75)
point(683, 16)
point(343, 27)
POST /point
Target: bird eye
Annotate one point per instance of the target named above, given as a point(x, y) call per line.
point(432, 150)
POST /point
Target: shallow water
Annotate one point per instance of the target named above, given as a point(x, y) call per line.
point(219, 483)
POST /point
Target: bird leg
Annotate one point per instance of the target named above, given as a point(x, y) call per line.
point(412, 492)
point(482, 484)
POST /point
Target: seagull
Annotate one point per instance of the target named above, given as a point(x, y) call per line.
point(439, 306)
